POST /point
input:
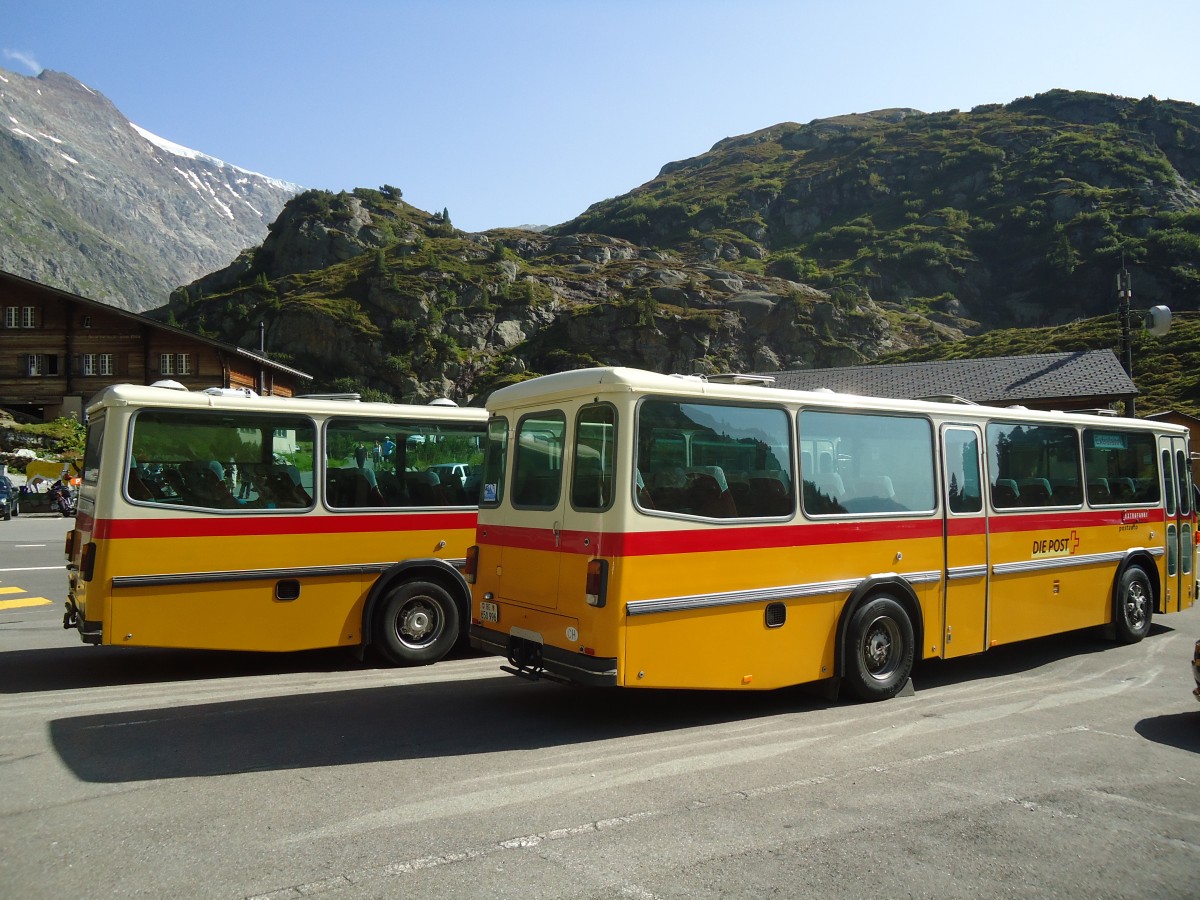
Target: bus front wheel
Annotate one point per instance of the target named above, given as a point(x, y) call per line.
point(1135, 604)
point(879, 649)
point(417, 623)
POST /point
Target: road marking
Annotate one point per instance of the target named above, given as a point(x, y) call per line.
point(12, 590)
point(24, 601)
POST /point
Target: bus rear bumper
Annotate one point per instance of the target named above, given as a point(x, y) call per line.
point(534, 658)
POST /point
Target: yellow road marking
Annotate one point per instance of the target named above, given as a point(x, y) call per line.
point(11, 590)
point(24, 601)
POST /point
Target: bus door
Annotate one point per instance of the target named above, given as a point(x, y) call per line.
point(966, 542)
point(537, 500)
point(1179, 541)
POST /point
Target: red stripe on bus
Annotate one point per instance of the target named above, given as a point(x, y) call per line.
point(649, 543)
point(262, 526)
point(1007, 524)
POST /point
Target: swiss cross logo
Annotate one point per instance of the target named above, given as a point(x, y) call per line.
point(1059, 545)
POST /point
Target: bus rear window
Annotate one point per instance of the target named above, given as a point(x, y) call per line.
point(538, 463)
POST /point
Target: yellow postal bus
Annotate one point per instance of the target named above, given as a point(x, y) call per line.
point(646, 530)
point(222, 520)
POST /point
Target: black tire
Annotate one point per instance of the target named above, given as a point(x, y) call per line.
point(416, 623)
point(1134, 605)
point(7, 514)
point(879, 649)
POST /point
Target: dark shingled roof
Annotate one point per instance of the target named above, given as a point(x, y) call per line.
point(1094, 375)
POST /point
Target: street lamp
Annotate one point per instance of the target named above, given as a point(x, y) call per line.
point(1156, 320)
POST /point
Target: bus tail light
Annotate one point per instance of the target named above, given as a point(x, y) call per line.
point(87, 561)
point(472, 564)
point(597, 582)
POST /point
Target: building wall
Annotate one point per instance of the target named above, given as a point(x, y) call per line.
point(56, 352)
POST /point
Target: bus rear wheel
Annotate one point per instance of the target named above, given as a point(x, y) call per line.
point(417, 623)
point(1135, 604)
point(879, 649)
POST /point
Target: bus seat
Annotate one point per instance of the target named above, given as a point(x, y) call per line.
point(1036, 491)
point(769, 495)
point(1005, 492)
point(1098, 491)
point(825, 460)
point(425, 489)
point(366, 489)
point(708, 493)
point(830, 484)
point(137, 488)
point(806, 463)
point(1123, 489)
point(875, 486)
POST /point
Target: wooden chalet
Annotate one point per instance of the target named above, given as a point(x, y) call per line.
point(57, 349)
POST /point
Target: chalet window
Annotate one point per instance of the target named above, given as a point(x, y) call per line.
point(87, 321)
point(12, 317)
point(39, 364)
point(29, 317)
point(166, 364)
point(183, 364)
point(106, 364)
point(88, 364)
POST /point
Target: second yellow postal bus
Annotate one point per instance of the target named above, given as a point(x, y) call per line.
point(659, 531)
point(217, 520)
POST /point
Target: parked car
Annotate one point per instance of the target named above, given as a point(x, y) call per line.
point(10, 499)
point(447, 471)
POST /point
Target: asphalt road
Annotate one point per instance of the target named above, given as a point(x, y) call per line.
point(1065, 767)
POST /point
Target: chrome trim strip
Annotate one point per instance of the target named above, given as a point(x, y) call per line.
point(172, 578)
point(956, 572)
point(760, 595)
point(1058, 562)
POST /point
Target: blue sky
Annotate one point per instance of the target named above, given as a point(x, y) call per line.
point(528, 111)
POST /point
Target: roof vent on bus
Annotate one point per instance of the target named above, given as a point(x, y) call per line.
point(349, 396)
point(169, 384)
point(948, 398)
point(229, 392)
point(739, 378)
point(442, 401)
point(1102, 411)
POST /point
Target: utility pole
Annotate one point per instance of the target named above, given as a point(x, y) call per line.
point(1124, 299)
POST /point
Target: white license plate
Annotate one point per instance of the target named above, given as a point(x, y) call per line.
point(488, 611)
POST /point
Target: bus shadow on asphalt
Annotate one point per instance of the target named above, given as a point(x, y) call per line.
point(404, 722)
point(1024, 656)
point(69, 668)
point(448, 719)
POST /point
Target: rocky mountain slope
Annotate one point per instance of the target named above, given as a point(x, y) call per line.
point(800, 245)
point(92, 204)
point(371, 294)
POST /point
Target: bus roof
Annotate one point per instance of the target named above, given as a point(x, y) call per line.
point(616, 379)
point(164, 397)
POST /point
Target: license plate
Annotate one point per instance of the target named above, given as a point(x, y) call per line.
point(488, 611)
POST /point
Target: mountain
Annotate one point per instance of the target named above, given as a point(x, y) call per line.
point(1017, 214)
point(95, 205)
point(830, 243)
